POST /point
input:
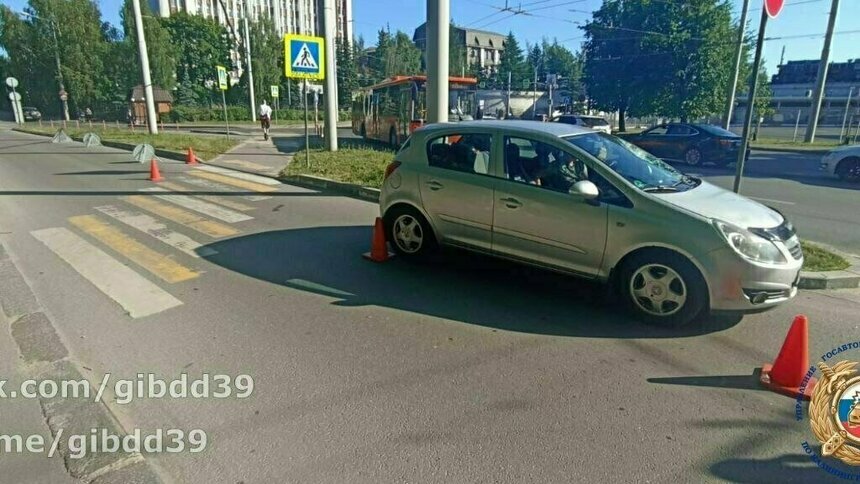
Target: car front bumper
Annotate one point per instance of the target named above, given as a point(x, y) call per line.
point(737, 284)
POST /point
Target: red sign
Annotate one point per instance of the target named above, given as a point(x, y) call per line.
point(773, 7)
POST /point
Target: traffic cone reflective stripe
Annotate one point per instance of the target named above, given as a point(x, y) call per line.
point(190, 158)
point(787, 373)
point(378, 248)
point(154, 174)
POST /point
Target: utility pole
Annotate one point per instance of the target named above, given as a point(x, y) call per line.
point(739, 170)
point(845, 116)
point(144, 66)
point(330, 99)
point(508, 97)
point(438, 22)
point(733, 87)
point(534, 96)
point(250, 69)
point(821, 80)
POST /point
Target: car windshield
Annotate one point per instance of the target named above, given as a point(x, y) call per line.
point(591, 122)
point(716, 130)
point(642, 169)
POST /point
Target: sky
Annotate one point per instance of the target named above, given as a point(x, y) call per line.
point(799, 28)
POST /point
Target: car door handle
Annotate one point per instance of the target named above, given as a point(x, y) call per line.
point(434, 185)
point(511, 202)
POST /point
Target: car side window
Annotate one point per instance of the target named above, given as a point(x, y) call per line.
point(657, 131)
point(679, 130)
point(468, 153)
point(541, 164)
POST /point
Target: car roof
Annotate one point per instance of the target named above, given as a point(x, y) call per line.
point(553, 129)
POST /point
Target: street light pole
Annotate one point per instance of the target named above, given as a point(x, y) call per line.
point(144, 66)
point(845, 116)
point(745, 139)
point(250, 69)
point(821, 80)
point(63, 97)
point(733, 87)
point(330, 99)
point(438, 21)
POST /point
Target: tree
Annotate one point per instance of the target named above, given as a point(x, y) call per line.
point(512, 62)
point(666, 58)
point(267, 61)
point(347, 74)
point(457, 63)
point(395, 56)
point(535, 60)
point(763, 95)
point(201, 44)
point(558, 59)
point(159, 48)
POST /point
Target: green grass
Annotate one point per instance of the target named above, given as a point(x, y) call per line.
point(355, 162)
point(818, 259)
point(205, 146)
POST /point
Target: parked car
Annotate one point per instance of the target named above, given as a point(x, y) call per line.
point(594, 122)
point(592, 205)
point(31, 114)
point(843, 162)
point(694, 144)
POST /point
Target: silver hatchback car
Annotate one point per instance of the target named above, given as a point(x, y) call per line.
point(592, 205)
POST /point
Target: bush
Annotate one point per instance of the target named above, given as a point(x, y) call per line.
point(194, 114)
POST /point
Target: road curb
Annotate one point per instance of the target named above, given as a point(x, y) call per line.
point(356, 191)
point(171, 155)
point(845, 279)
point(820, 152)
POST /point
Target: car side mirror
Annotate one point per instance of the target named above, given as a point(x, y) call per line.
point(585, 189)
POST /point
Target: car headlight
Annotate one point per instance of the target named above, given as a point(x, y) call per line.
point(750, 245)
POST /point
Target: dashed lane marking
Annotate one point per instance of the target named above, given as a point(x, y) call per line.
point(158, 264)
point(203, 225)
point(158, 230)
point(138, 296)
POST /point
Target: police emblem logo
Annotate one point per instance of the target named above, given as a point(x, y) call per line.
point(834, 411)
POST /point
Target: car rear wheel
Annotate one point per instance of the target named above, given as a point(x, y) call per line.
point(693, 156)
point(409, 232)
point(662, 288)
point(849, 170)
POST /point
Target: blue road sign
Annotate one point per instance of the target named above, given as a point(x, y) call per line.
point(304, 57)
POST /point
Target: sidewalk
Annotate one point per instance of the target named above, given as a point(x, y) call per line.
point(261, 157)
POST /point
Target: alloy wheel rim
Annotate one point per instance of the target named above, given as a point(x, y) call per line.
point(658, 290)
point(853, 171)
point(694, 157)
point(408, 234)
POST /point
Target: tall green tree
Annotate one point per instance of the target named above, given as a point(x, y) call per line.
point(201, 44)
point(512, 62)
point(395, 55)
point(458, 64)
point(159, 47)
point(558, 59)
point(267, 61)
point(347, 74)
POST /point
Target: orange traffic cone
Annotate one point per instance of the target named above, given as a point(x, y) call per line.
point(787, 373)
point(154, 174)
point(190, 159)
point(378, 248)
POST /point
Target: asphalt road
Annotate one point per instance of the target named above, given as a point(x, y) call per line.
point(458, 370)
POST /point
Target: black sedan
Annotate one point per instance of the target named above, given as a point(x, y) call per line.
point(693, 144)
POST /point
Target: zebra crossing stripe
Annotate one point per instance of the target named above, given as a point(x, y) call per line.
point(209, 198)
point(200, 182)
point(153, 227)
point(158, 264)
point(262, 180)
point(203, 225)
point(227, 180)
point(134, 293)
point(205, 208)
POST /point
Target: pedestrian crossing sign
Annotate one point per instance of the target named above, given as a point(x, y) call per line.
point(304, 57)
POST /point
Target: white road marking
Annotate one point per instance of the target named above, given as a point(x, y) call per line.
point(240, 175)
point(316, 287)
point(137, 295)
point(198, 205)
point(219, 187)
point(772, 201)
point(153, 227)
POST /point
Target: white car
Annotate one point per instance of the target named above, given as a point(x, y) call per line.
point(843, 162)
point(592, 122)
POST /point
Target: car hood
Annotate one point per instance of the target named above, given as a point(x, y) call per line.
point(843, 149)
point(714, 202)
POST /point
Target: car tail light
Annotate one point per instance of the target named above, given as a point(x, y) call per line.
point(390, 169)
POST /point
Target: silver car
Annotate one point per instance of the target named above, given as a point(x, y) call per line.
point(843, 162)
point(589, 204)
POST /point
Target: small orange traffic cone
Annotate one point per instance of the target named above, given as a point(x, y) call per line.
point(154, 174)
point(787, 373)
point(190, 158)
point(378, 248)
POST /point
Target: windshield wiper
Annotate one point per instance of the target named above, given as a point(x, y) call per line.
point(660, 188)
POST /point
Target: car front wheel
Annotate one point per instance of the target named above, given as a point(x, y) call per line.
point(663, 288)
point(409, 232)
point(849, 170)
